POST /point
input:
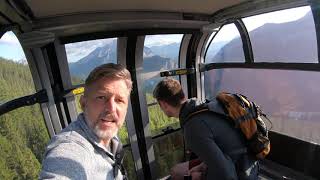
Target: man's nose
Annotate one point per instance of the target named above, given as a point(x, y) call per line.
point(110, 105)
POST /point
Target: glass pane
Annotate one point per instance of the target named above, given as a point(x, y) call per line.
point(168, 152)
point(283, 36)
point(160, 53)
point(159, 121)
point(290, 98)
point(226, 46)
point(85, 56)
point(128, 164)
point(23, 134)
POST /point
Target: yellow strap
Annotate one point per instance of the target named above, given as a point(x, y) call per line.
point(78, 90)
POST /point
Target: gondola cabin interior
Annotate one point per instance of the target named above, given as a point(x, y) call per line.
point(265, 49)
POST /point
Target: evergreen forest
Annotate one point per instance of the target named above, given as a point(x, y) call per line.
point(23, 134)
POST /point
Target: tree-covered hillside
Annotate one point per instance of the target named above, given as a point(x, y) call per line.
point(23, 135)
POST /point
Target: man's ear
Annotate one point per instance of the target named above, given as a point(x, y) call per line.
point(82, 102)
point(163, 104)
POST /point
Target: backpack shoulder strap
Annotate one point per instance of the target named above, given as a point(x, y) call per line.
point(195, 113)
point(119, 155)
point(216, 107)
point(212, 106)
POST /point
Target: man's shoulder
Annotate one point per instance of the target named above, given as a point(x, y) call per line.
point(67, 156)
point(203, 110)
point(72, 137)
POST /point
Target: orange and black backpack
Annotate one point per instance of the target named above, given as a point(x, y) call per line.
point(245, 115)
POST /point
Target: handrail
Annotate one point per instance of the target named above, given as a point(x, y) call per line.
point(38, 97)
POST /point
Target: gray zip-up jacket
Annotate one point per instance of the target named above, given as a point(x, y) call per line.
point(212, 138)
point(75, 153)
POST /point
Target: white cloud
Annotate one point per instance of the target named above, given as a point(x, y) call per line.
point(9, 39)
point(76, 51)
point(158, 40)
point(230, 31)
point(277, 17)
point(10, 47)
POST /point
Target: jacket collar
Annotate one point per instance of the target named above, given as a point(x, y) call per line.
point(188, 107)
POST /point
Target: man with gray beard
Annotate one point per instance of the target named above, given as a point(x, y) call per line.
point(87, 148)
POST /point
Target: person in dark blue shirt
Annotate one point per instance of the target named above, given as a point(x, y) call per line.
point(208, 135)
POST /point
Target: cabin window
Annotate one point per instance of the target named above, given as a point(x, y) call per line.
point(161, 53)
point(290, 98)
point(226, 46)
point(84, 56)
point(23, 133)
point(283, 36)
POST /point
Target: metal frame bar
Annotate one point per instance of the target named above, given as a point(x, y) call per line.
point(39, 85)
point(191, 63)
point(247, 48)
point(9, 13)
point(201, 49)
point(120, 20)
point(22, 9)
point(134, 59)
point(121, 57)
point(52, 64)
point(68, 102)
point(182, 60)
point(315, 8)
point(275, 66)
point(210, 41)
point(36, 60)
point(38, 97)
point(166, 133)
point(123, 33)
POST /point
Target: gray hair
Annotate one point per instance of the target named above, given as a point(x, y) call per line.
point(110, 70)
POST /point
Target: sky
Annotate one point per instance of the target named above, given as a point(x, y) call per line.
point(10, 47)
point(76, 51)
point(158, 40)
point(254, 22)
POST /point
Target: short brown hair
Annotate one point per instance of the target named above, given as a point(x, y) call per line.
point(170, 91)
point(110, 70)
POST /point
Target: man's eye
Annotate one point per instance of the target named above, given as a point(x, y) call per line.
point(120, 100)
point(101, 98)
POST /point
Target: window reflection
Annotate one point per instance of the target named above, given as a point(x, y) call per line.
point(168, 152)
point(84, 56)
point(226, 46)
point(288, 97)
point(160, 53)
point(283, 36)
